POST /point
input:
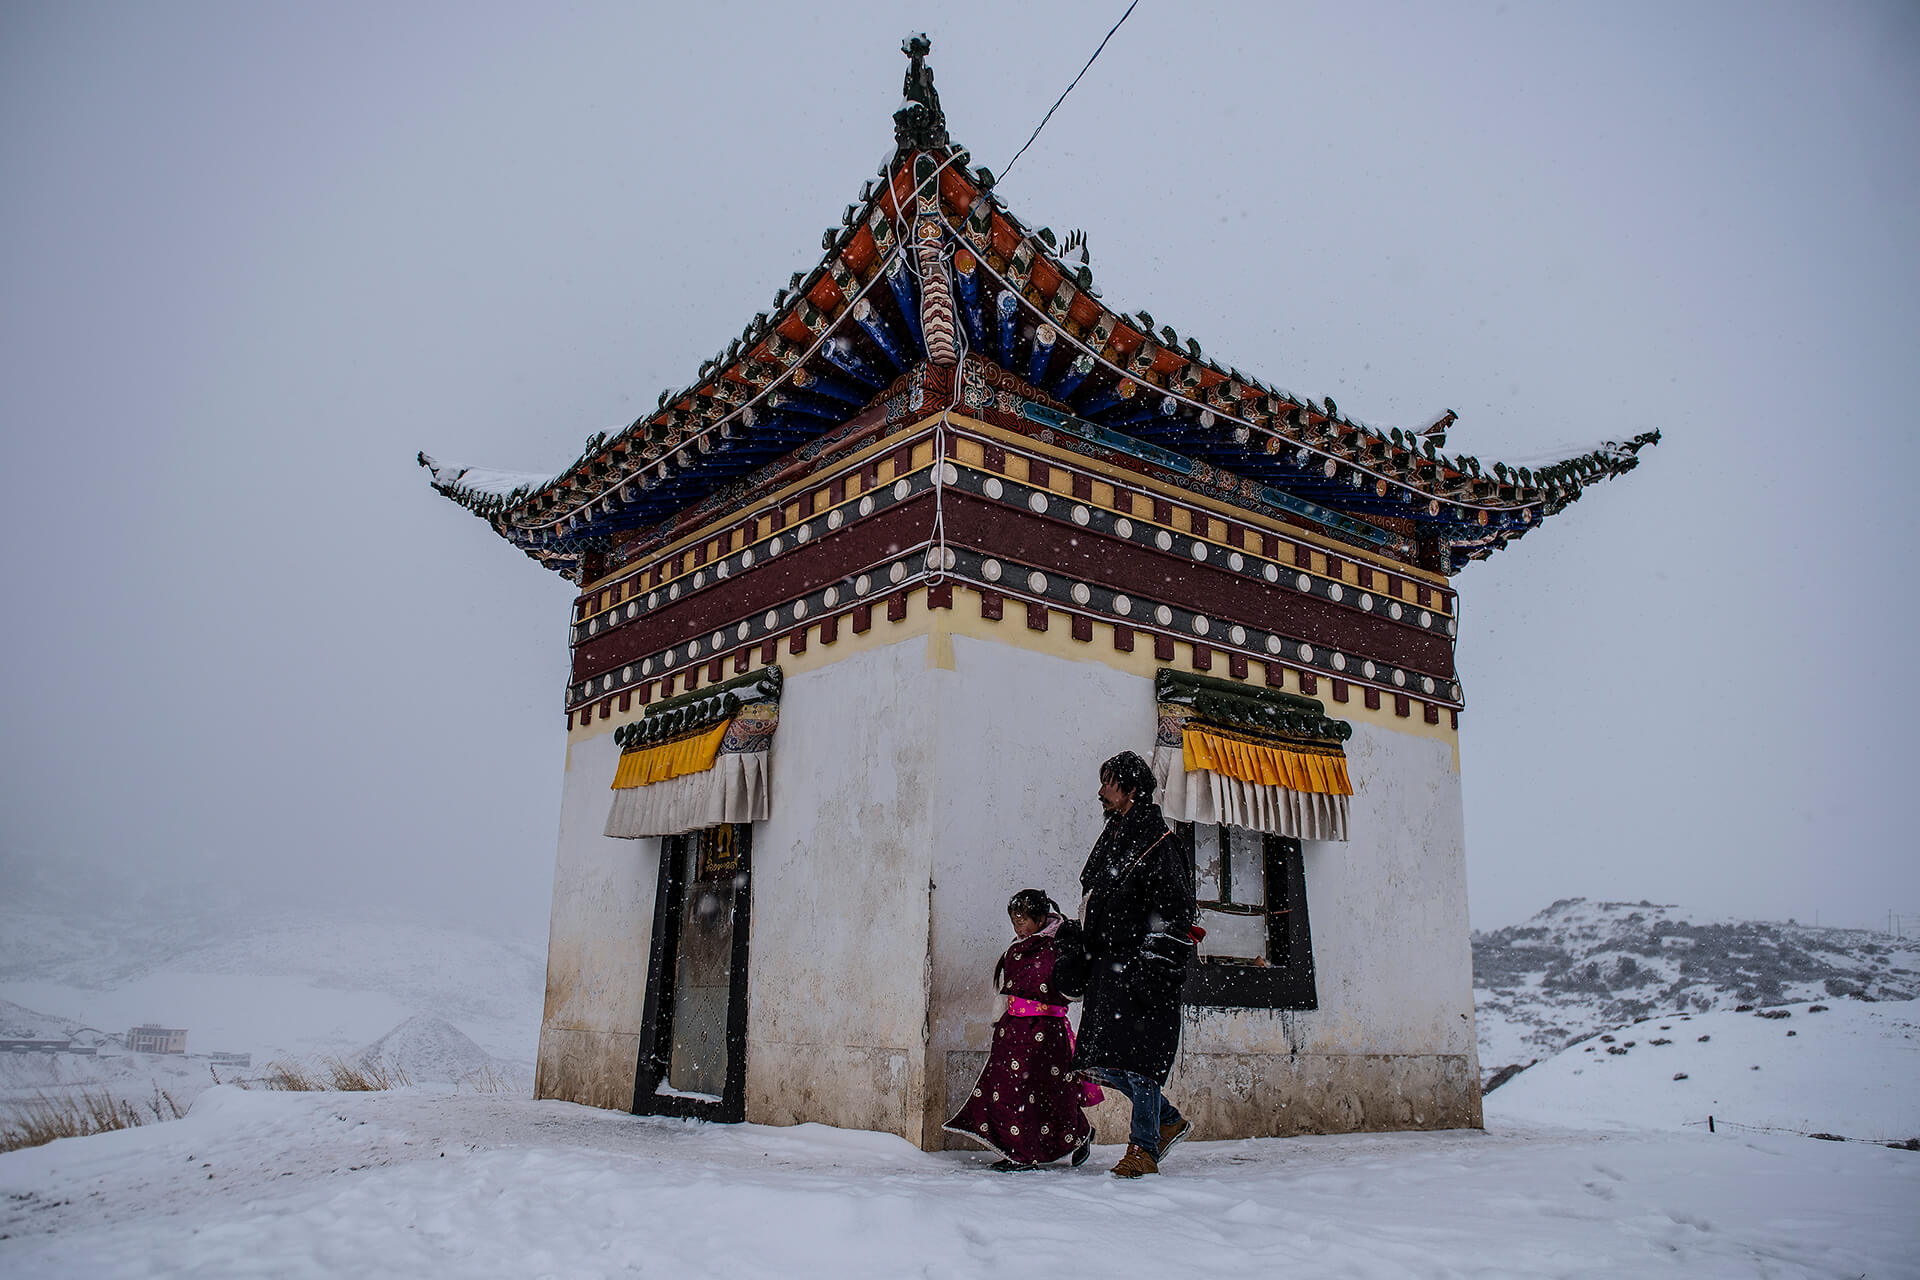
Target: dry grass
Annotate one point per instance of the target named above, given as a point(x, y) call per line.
point(330, 1075)
point(488, 1079)
point(74, 1115)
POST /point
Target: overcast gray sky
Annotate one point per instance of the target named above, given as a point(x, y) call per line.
point(253, 256)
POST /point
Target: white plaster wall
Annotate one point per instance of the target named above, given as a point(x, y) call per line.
point(601, 930)
point(1021, 735)
point(837, 1003)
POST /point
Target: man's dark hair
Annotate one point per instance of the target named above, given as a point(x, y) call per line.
point(1131, 774)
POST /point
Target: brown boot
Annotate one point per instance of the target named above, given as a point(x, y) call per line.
point(1172, 1133)
point(1136, 1162)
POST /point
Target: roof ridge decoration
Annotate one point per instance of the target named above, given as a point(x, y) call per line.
point(929, 268)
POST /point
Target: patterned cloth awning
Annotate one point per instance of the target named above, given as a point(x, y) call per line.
point(1252, 758)
point(698, 760)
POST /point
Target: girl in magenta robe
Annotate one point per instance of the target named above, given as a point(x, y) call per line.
point(1025, 1106)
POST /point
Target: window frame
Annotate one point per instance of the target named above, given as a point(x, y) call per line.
point(1286, 980)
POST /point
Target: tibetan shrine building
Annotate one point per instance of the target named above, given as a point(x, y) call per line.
point(863, 608)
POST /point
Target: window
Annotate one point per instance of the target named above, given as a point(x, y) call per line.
point(1251, 891)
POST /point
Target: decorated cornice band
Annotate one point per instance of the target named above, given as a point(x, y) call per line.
point(1245, 757)
point(698, 760)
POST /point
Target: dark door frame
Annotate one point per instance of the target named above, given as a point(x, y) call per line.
point(656, 1028)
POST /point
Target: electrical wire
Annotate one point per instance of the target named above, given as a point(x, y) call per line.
point(1069, 89)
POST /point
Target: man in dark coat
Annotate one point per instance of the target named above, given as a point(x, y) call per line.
point(1138, 919)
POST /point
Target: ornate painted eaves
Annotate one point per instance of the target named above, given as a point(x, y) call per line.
point(927, 269)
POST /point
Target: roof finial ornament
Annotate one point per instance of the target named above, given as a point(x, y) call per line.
point(919, 123)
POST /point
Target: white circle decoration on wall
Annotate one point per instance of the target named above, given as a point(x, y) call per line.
point(830, 597)
point(836, 518)
point(1199, 549)
point(1302, 582)
point(1163, 615)
point(772, 619)
point(993, 487)
point(1426, 684)
point(626, 672)
point(804, 532)
point(742, 631)
point(719, 638)
point(1037, 502)
point(699, 579)
point(1339, 661)
point(673, 591)
point(949, 474)
point(1336, 592)
point(1367, 668)
point(1235, 561)
point(862, 585)
point(646, 666)
point(1306, 653)
point(898, 571)
point(1273, 645)
point(1123, 527)
point(866, 505)
point(901, 488)
point(1037, 582)
point(1163, 540)
point(1080, 593)
point(1399, 677)
point(1394, 610)
point(1426, 618)
point(746, 558)
point(1366, 601)
point(775, 546)
point(1238, 635)
point(1080, 514)
point(1270, 572)
point(799, 610)
point(1200, 625)
point(653, 597)
point(990, 569)
point(1122, 605)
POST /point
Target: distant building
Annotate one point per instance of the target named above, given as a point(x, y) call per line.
point(230, 1059)
point(936, 534)
point(34, 1046)
point(152, 1039)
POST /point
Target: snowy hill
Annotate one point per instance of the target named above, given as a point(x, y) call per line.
point(440, 1003)
point(425, 1048)
point(1845, 1068)
point(1580, 967)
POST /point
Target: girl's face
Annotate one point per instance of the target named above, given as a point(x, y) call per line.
point(1023, 927)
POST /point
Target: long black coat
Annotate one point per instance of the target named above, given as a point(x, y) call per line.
point(1139, 911)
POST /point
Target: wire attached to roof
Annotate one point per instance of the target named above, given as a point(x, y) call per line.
point(1069, 89)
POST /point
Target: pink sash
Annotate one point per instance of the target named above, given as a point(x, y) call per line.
point(1091, 1095)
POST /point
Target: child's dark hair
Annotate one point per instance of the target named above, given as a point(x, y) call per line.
point(1032, 904)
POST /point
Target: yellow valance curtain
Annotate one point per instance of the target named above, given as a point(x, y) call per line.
point(703, 758)
point(1297, 767)
point(1240, 756)
point(656, 762)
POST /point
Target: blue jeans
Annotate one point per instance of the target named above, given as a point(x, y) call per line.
point(1151, 1109)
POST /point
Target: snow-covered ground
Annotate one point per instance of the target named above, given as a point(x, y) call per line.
point(1847, 1068)
point(416, 1183)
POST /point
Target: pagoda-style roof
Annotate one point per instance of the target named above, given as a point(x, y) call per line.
point(929, 268)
